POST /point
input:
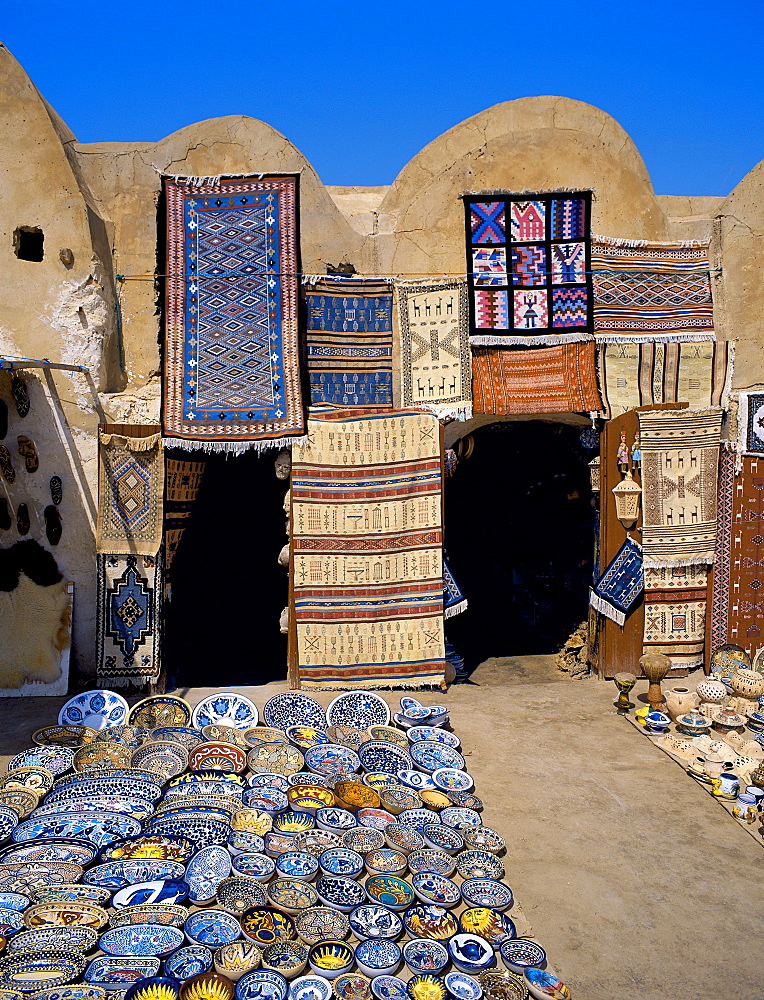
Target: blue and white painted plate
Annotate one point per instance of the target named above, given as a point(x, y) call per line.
point(54, 759)
point(296, 865)
point(417, 819)
point(451, 779)
point(389, 988)
point(9, 821)
point(487, 892)
point(463, 987)
point(340, 892)
point(85, 787)
point(116, 875)
point(269, 800)
point(155, 891)
point(460, 818)
point(425, 955)
point(10, 921)
point(187, 736)
point(79, 938)
point(14, 901)
point(358, 708)
point(378, 954)
point(225, 708)
point(308, 778)
point(268, 779)
point(417, 780)
point(144, 940)
point(191, 960)
point(120, 973)
point(262, 984)
point(434, 733)
point(436, 889)
point(479, 864)
point(204, 873)
point(310, 988)
point(335, 819)
point(203, 830)
point(382, 755)
point(99, 828)
point(444, 838)
point(255, 865)
point(96, 709)
point(293, 708)
point(341, 861)
point(137, 808)
point(332, 758)
point(52, 967)
point(431, 756)
point(374, 921)
point(213, 928)
point(69, 849)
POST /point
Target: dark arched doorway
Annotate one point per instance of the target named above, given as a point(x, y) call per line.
point(519, 537)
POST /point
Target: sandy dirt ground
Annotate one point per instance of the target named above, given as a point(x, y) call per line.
point(632, 877)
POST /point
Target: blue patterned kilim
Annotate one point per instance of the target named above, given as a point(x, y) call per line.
point(621, 585)
point(350, 347)
point(128, 612)
point(454, 601)
point(231, 358)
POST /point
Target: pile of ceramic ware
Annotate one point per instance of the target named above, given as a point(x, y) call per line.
point(161, 852)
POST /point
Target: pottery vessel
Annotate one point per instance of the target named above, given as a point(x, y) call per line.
point(744, 808)
point(711, 694)
point(680, 701)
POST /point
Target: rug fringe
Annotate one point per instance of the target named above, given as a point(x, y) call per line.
point(369, 685)
point(606, 608)
point(234, 447)
point(513, 194)
point(455, 411)
point(707, 560)
point(727, 387)
point(456, 609)
point(649, 338)
point(134, 443)
point(551, 339)
point(137, 680)
point(214, 179)
point(616, 242)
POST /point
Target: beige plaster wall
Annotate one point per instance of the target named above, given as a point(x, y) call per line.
point(100, 200)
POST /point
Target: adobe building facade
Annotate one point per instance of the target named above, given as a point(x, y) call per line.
point(92, 301)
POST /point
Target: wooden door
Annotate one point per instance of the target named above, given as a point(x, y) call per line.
point(621, 647)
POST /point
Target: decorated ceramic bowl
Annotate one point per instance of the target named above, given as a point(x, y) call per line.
point(417, 819)
point(425, 920)
point(487, 892)
point(377, 819)
point(371, 920)
point(336, 819)
point(305, 737)
point(460, 818)
point(415, 779)
point(141, 939)
point(425, 955)
point(77, 938)
point(378, 957)
point(388, 988)
point(64, 914)
point(269, 779)
point(487, 923)
point(440, 837)
point(331, 958)
point(398, 798)
point(385, 861)
point(237, 894)
point(236, 959)
point(332, 758)
point(379, 780)
point(354, 795)
point(341, 861)
point(471, 953)
point(431, 861)
point(149, 913)
point(310, 988)
point(309, 798)
point(207, 986)
point(291, 895)
point(344, 894)
point(281, 758)
point(191, 960)
point(293, 822)
point(403, 838)
point(165, 987)
point(265, 924)
point(543, 985)
point(287, 957)
point(363, 839)
point(483, 838)
point(436, 889)
point(251, 821)
point(212, 928)
point(243, 842)
point(266, 800)
point(468, 800)
point(296, 865)
point(317, 841)
point(262, 984)
point(418, 733)
point(452, 779)
point(256, 866)
point(479, 864)
point(115, 973)
point(320, 923)
point(351, 986)
point(46, 969)
point(389, 891)
point(425, 986)
point(519, 954)
point(462, 986)
point(383, 755)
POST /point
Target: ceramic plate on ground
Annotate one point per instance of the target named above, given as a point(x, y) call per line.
point(32, 779)
point(137, 808)
point(451, 779)
point(144, 940)
point(320, 923)
point(436, 889)
point(427, 920)
point(416, 780)
point(358, 708)
point(148, 845)
point(262, 734)
point(95, 709)
point(479, 864)
point(238, 894)
point(460, 818)
point(225, 708)
point(462, 986)
point(487, 892)
point(335, 819)
point(418, 819)
point(42, 969)
point(340, 892)
point(25, 876)
point(371, 920)
point(293, 708)
point(68, 849)
point(390, 734)
point(10, 922)
point(489, 924)
point(23, 801)
point(431, 861)
point(389, 988)
point(191, 960)
point(332, 758)
point(389, 891)
point(99, 828)
point(348, 736)
point(129, 736)
point(185, 735)
point(115, 875)
point(54, 759)
point(431, 756)
point(423, 955)
point(160, 710)
point(120, 973)
point(383, 755)
point(100, 755)
point(63, 736)
point(418, 733)
point(163, 757)
point(212, 928)
point(77, 938)
point(281, 758)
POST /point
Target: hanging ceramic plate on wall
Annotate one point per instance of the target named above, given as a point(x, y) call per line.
point(358, 708)
point(225, 709)
point(95, 709)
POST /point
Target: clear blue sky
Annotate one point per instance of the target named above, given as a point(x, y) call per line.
point(361, 87)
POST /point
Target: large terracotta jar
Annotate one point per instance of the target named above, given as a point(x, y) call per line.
point(680, 701)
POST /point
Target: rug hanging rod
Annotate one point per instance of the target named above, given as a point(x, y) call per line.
point(12, 364)
point(385, 274)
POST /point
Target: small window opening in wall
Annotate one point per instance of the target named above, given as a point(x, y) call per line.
point(28, 243)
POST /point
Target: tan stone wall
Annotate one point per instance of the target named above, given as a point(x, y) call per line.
point(100, 200)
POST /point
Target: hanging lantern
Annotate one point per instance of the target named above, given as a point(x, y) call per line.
point(627, 494)
point(594, 474)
